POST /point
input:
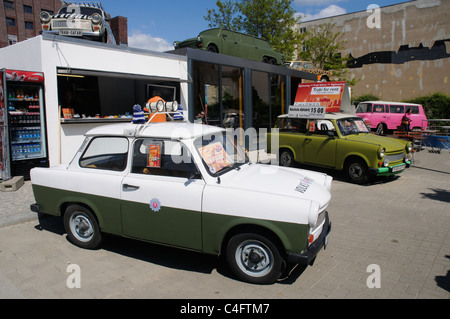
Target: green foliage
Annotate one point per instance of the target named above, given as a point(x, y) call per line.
point(271, 20)
point(322, 46)
point(436, 106)
point(365, 97)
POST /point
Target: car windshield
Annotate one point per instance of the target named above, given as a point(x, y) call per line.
point(89, 11)
point(349, 126)
point(220, 153)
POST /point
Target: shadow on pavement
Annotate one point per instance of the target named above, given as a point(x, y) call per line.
point(170, 257)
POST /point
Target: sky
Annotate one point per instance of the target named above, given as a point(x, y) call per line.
point(156, 24)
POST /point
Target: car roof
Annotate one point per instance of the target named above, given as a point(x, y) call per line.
point(177, 130)
point(391, 103)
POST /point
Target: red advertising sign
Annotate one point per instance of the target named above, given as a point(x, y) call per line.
point(24, 76)
point(326, 94)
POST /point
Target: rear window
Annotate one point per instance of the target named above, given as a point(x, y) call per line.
point(397, 109)
point(414, 109)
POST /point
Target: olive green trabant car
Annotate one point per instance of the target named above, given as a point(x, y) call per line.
point(188, 186)
point(341, 142)
point(233, 43)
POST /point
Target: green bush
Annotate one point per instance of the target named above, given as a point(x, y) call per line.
point(365, 97)
point(436, 106)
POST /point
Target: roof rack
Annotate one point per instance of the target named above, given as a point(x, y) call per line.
point(82, 4)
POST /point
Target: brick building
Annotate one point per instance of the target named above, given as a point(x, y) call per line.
point(400, 51)
point(19, 20)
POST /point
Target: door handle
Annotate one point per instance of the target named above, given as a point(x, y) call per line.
point(126, 186)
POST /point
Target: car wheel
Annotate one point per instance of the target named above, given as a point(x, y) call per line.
point(381, 130)
point(82, 227)
point(212, 48)
point(266, 60)
point(254, 258)
point(356, 170)
point(286, 158)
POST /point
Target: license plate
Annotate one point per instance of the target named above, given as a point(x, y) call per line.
point(75, 33)
point(399, 168)
point(60, 24)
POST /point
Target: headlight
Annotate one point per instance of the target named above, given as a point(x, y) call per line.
point(45, 17)
point(313, 214)
point(381, 152)
point(96, 18)
point(386, 162)
point(199, 39)
point(409, 147)
point(175, 44)
point(172, 106)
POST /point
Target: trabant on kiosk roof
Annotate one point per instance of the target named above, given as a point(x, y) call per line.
point(179, 130)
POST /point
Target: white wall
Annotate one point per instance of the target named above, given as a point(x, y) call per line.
point(46, 55)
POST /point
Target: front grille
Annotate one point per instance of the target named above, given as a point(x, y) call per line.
point(395, 157)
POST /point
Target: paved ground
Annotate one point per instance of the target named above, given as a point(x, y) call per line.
point(399, 225)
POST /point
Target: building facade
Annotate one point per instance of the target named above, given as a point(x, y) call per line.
point(19, 19)
point(399, 52)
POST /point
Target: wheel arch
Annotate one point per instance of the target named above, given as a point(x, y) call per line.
point(257, 229)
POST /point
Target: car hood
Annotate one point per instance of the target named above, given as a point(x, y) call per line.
point(283, 181)
point(390, 144)
point(187, 43)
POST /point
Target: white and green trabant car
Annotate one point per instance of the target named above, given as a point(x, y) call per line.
point(188, 186)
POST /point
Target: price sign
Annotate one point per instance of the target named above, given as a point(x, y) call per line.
point(310, 110)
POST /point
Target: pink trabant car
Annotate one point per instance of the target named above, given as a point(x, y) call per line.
point(384, 116)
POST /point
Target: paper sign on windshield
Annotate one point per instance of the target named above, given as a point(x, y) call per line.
point(215, 157)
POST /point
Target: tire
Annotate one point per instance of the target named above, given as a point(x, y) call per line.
point(266, 60)
point(212, 48)
point(286, 158)
point(381, 129)
point(254, 258)
point(357, 171)
point(82, 227)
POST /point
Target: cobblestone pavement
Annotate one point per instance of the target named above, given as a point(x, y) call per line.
point(400, 225)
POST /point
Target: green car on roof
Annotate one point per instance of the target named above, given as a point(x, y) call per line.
point(341, 142)
point(219, 40)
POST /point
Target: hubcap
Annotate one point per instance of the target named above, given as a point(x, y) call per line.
point(286, 159)
point(254, 258)
point(355, 171)
point(81, 227)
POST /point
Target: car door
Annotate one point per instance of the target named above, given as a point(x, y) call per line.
point(319, 148)
point(230, 43)
point(162, 195)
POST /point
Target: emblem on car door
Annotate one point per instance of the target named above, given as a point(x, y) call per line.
point(155, 205)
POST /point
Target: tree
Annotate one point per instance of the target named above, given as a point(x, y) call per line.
point(271, 20)
point(323, 46)
point(226, 16)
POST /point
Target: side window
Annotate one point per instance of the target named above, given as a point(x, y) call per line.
point(397, 109)
point(414, 109)
point(106, 153)
point(378, 108)
point(163, 158)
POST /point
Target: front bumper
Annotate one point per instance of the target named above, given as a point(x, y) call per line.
point(391, 170)
point(308, 257)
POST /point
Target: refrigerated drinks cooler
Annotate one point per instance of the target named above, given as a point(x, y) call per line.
point(23, 94)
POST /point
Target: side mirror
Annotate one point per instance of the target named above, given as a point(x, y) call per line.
point(331, 134)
